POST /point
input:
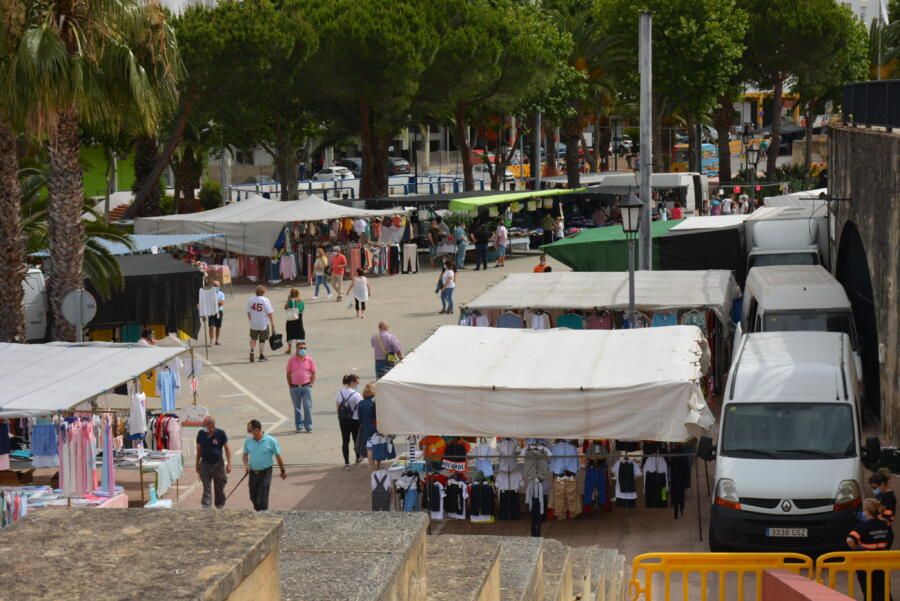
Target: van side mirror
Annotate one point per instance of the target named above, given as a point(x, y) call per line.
point(872, 452)
point(706, 450)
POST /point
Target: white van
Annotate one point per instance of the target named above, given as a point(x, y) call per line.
point(798, 298)
point(691, 189)
point(789, 471)
point(786, 236)
point(35, 305)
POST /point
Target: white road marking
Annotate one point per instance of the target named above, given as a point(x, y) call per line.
point(281, 417)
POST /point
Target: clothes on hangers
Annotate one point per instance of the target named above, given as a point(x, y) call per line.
point(595, 485)
point(627, 472)
point(166, 385)
point(538, 320)
point(410, 258)
point(381, 490)
point(508, 319)
point(602, 320)
point(75, 446)
point(534, 499)
point(508, 449)
point(382, 447)
point(573, 321)
point(408, 486)
point(44, 447)
point(457, 492)
point(436, 487)
point(485, 455)
point(537, 459)
point(137, 416)
point(13, 506)
point(208, 301)
point(679, 479)
point(664, 318)
point(694, 317)
point(482, 502)
point(564, 458)
point(565, 497)
point(656, 491)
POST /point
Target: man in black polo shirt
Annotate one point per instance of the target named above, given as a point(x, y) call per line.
point(211, 466)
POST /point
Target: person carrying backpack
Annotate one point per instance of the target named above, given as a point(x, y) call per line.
point(347, 401)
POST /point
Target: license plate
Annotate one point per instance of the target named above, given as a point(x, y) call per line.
point(786, 532)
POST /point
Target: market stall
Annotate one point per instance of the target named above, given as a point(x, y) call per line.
point(50, 412)
point(602, 248)
point(495, 418)
point(599, 300)
point(706, 243)
point(158, 290)
point(273, 240)
point(550, 384)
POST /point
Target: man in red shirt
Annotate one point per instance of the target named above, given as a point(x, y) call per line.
point(301, 375)
point(338, 267)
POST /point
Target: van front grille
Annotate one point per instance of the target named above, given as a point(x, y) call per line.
point(757, 502)
point(812, 503)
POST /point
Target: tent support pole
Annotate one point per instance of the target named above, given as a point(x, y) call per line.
point(205, 321)
point(193, 373)
point(697, 494)
point(141, 472)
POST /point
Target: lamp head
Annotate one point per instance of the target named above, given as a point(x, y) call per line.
point(631, 214)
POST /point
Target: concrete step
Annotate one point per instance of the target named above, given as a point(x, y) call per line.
point(364, 556)
point(582, 568)
point(463, 568)
point(557, 572)
point(521, 566)
point(603, 565)
point(618, 581)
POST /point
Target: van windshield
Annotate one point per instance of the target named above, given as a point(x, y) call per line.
point(788, 431)
point(784, 259)
point(808, 321)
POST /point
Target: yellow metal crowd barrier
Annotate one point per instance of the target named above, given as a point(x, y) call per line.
point(646, 566)
point(849, 563)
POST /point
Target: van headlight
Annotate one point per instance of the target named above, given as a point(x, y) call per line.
point(848, 496)
point(727, 495)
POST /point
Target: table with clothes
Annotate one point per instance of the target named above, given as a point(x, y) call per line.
point(166, 465)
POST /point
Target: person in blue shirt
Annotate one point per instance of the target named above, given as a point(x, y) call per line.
point(259, 451)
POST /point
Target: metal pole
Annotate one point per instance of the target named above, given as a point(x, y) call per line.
point(631, 315)
point(536, 163)
point(646, 69)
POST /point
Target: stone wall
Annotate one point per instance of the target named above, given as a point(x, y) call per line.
point(865, 168)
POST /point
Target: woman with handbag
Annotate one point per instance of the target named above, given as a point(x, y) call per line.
point(365, 411)
point(293, 327)
point(320, 270)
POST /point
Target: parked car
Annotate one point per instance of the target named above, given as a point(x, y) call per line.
point(354, 164)
point(398, 166)
point(483, 172)
point(625, 146)
point(335, 173)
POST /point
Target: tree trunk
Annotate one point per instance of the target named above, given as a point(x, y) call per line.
point(601, 144)
point(374, 150)
point(12, 244)
point(176, 133)
point(187, 169)
point(286, 164)
point(462, 144)
point(775, 142)
point(66, 230)
point(571, 136)
point(552, 149)
point(693, 165)
point(722, 117)
point(146, 154)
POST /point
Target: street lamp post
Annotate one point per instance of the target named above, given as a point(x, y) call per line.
point(746, 137)
point(631, 217)
point(752, 159)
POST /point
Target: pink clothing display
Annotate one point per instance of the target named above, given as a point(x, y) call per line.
point(76, 458)
point(602, 321)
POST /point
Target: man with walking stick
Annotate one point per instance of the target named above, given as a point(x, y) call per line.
point(259, 451)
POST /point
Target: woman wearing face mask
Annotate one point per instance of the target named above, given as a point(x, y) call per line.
point(347, 401)
point(871, 534)
point(881, 488)
point(367, 423)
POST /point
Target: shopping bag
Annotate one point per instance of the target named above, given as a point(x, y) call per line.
point(276, 341)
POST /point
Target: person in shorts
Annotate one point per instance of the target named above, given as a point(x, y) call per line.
point(215, 321)
point(260, 314)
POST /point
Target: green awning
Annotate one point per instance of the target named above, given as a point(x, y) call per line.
point(464, 204)
point(603, 248)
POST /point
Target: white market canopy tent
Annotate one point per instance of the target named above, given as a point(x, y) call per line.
point(584, 290)
point(640, 384)
point(41, 379)
point(252, 226)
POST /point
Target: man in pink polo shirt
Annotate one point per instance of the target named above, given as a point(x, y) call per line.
point(301, 375)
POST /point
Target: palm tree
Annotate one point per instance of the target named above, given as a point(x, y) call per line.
point(100, 266)
point(102, 63)
point(12, 257)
